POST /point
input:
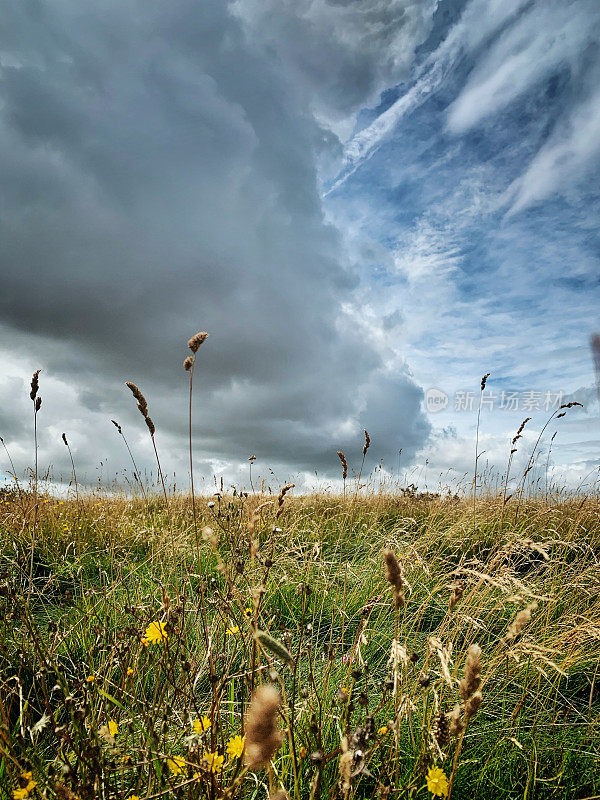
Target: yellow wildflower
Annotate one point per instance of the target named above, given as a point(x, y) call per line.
point(176, 764)
point(129, 671)
point(232, 629)
point(90, 678)
point(302, 752)
point(382, 731)
point(235, 746)
point(24, 791)
point(155, 632)
point(214, 762)
point(437, 782)
point(201, 725)
point(113, 728)
point(133, 797)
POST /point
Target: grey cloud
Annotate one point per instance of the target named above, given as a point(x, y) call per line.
point(158, 173)
point(343, 53)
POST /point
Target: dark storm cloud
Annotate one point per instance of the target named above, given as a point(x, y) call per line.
point(158, 174)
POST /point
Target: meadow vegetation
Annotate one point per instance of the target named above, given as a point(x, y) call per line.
point(249, 645)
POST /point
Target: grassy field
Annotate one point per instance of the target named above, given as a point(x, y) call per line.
point(133, 639)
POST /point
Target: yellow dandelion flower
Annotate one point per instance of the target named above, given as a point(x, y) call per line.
point(90, 678)
point(24, 791)
point(133, 797)
point(235, 746)
point(156, 632)
point(232, 629)
point(176, 764)
point(113, 728)
point(437, 782)
point(201, 725)
point(382, 731)
point(129, 671)
point(214, 762)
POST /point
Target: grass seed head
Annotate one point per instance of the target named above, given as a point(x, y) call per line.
point(519, 622)
point(197, 340)
point(262, 737)
point(367, 443)
point(472, 680)
point(35, 384)
point(394, 576)
point(455, 723)
point(342, 458)
point(473, 705)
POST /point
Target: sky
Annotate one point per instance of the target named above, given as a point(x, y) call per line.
point(368, 204)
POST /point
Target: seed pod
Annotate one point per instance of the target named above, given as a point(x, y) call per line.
point(274, 646)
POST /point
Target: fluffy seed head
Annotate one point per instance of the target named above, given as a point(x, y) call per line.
point(470, 683)
point(281, 496)
point(262, 737)
point(519, 622)
point(393, 574)
point(342, 458)
point(473, 705)
point(454, 719)
point(393, 570)
point(367, 443)
point(188, 363)
point(35, 384)
point(141, 400)
point(196, 340)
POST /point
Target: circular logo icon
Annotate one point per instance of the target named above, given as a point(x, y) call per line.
point(435, 400)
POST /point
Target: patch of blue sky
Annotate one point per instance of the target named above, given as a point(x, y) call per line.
point(481, 283)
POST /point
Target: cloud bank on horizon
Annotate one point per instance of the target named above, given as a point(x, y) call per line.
point(358, 200)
